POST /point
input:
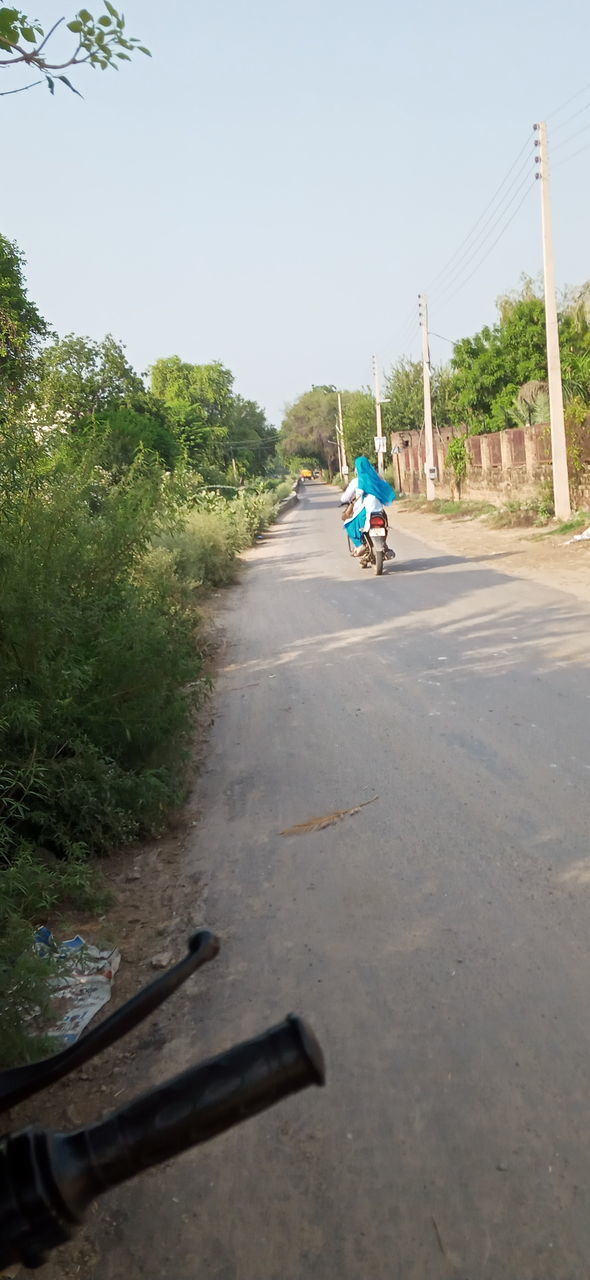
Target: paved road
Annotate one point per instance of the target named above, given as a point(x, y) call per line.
point(438, 940)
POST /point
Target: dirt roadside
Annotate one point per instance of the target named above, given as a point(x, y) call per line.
point(525, 553)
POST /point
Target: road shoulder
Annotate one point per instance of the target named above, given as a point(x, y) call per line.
point(525, 553)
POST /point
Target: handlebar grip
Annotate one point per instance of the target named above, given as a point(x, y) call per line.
point(48, 1179)
point(201, 1103)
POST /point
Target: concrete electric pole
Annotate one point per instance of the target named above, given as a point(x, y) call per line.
point(429, 465)
point(340, 436)
point(379, 432)
point(561, 487)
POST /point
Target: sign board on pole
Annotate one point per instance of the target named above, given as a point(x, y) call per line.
point(380, 444)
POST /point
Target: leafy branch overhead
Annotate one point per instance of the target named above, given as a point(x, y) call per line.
point(97, 42)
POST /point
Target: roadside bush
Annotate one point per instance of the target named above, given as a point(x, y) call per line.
point(205, 544)
point(86, 730)
point(457, 459)
point(97, 648)
point(100, 670)
point(30, 889)
point(203, 551)
point(519, 512)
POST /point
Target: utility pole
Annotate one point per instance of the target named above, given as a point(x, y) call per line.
point(429, 466)
point(339, 447)
point(340, 436)
point(379, 431)
point(561, 487)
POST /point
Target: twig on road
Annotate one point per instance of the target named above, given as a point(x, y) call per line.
point(439, 1238)
point(326, 820)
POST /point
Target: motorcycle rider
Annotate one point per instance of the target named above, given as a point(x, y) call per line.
point(369, 493)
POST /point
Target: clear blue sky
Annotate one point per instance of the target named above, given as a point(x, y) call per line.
point(276, 185)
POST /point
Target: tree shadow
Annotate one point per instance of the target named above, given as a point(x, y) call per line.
point(423, 563)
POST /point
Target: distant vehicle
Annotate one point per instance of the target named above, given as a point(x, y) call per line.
point(306, 474)
point(317, 474)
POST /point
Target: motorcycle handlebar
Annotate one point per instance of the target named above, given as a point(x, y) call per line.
point(48, 1179)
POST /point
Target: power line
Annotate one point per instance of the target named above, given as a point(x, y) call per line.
point(247, 444)
point(410, 340)
point(486, 211)
point(481, 230)
point(488, 227)
point(503, 211)
point(568, 119)
point(563, 105)
point(564, 142)
point(564, 159)
point(451, 341)
point(406, 325)
point(493, 245)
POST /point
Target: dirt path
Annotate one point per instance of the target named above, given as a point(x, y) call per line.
point(525, 553)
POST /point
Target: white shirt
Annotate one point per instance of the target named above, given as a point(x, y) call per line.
point(352, 493)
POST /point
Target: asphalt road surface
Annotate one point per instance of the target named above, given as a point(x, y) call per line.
point(437, 940)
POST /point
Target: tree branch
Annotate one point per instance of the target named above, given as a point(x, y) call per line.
point(33, 59)
point(50, 33)
point(23, 89)
point(10, 62)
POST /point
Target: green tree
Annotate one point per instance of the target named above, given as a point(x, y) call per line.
point(574, 342)
point(90, 390)
point(97, 43)
point(79, 379)
point(445, 411)
point(490, 368)
point(21, 327)
point(251, 442)
point(309, 426)
point(358, 417)
point(404, 392)
point(200, 398)
point(140, 425)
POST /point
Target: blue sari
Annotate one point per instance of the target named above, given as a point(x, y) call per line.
point(369, 481)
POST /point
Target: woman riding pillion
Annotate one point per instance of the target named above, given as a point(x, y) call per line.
point(368, 493)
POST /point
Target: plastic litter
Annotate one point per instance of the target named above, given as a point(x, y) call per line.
point(580, 537)
point(83, 985)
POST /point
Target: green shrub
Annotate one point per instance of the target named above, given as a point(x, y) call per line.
point(518, 512)
point(204, 550)
point(89, 734)
point(99, 671)
point(457, 459)
point(31, 889)
point(205, 544)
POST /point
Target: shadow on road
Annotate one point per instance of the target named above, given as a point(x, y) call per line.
point(439, 562)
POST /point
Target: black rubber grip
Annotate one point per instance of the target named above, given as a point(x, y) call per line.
point(47, 1179)
point(193, 1107)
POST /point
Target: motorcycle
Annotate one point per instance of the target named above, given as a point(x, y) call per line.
point(375, 546)
point(48, 1180)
